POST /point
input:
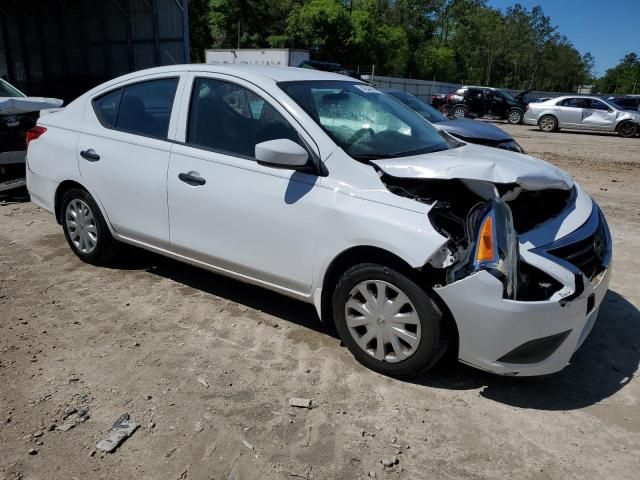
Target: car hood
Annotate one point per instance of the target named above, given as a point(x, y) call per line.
point(16, 105)
point(475, 162)
point(468, 128)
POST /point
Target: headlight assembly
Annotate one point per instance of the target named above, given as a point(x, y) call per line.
point(496, 247)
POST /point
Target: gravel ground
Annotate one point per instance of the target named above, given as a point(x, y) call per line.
point(207, 365)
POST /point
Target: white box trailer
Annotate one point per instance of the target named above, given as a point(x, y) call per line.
point(286, 57)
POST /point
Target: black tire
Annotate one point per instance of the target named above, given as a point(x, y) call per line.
point(459, 111)
point(433, 339)
point(105, 246)
point(627, 129)
point(548, 123)
point(515, 116)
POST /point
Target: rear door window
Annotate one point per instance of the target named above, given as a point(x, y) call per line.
point(572, 102)
point(141, 108)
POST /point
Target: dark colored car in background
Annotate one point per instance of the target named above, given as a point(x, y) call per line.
point(630, 102)
point(472, 131)
point(487, 102)
point(439, 100)
point(18, 114)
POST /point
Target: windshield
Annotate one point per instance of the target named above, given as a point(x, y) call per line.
point(365, 122)
point(8, 90)
point(423, 108)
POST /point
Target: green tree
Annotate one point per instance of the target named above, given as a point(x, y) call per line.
point(322, 26)
point(623, 78)
point(199, 33)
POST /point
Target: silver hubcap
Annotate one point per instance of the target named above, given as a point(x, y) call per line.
point(383, 321)
point(81, 226)
point(546, 124)
point(514, 117)
point(458, 113)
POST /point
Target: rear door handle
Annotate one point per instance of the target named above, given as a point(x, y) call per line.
point(90, 155)
point(192, 178)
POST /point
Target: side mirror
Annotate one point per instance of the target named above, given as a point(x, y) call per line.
point(281, 153)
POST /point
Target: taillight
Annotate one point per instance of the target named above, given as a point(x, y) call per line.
point(35, 133)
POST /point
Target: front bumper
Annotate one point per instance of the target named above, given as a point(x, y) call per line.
point(491, 328)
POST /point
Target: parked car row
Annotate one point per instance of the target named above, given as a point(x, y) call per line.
point(581, 112)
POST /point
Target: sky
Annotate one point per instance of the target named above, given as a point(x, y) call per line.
point(609, 29)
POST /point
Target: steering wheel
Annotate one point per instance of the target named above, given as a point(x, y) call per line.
point(356, 137)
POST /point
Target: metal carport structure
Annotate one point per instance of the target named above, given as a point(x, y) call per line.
point(61, 48)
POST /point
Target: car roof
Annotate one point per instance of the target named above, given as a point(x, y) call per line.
point(275, 73)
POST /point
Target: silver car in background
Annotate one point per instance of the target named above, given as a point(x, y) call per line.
point(582, 113)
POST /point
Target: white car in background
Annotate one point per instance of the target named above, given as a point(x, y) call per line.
point(577, 112)
point(327, 190)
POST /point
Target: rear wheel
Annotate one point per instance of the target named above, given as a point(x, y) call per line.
point(548, 123)
point(515, 117)
point(459, 111)
point(85, 229)
point(388, 322)
point(627, 129)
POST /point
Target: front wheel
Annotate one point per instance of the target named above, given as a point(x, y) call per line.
point(515, 117)
point(388, 322)
point(85, 229)
point(459, 112)
point(627, 129)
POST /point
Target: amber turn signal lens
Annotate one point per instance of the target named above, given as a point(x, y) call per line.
point(485, 250)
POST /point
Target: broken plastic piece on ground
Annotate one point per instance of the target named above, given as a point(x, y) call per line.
point(123, 428)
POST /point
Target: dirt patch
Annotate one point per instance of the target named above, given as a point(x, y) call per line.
point(137, 338)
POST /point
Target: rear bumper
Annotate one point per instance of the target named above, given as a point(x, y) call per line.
point(12, 170)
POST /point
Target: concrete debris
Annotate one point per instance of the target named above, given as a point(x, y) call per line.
point(203, 382)
point(300, 402)
point(65, 427)
point(33, 451)
point(123, 428)
point(199, 427)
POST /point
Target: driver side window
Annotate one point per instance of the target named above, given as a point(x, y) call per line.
point(231, 119)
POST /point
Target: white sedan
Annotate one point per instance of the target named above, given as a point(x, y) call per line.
point(327, 190)
point(577, 112)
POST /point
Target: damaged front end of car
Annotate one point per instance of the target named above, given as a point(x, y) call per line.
point(483, 233)
point(525, 265)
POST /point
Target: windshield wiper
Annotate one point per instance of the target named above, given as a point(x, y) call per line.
point(373, 156)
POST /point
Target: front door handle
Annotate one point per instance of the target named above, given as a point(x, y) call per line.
point(90, 155)
point(192, 178)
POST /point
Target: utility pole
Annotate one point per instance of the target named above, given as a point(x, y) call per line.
point(238, 34)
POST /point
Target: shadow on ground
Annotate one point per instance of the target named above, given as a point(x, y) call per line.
point(605, 363)
point(257, 298)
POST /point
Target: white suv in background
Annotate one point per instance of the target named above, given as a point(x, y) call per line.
point(327, 190)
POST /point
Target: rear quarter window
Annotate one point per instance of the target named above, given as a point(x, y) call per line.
point(142, 108)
